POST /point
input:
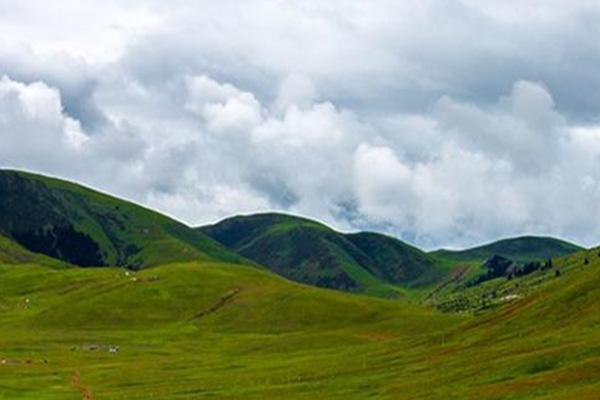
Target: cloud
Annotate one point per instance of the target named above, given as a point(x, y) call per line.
point(504, 170)
point(379, 115)
point(223, 107)
point(295, 90)
point(75, 79)
point(383, 184)
point(525, 127)
point(31, 122)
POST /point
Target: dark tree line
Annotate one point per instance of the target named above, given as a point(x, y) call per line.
point(498, 266)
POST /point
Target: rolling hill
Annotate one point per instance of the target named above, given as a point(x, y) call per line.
point(196, 326)
point(205, 329)
point(309, 252)
point(84, 227)
point(87, 228)
point(191, 330)
point(522, 249)
point(479, 280)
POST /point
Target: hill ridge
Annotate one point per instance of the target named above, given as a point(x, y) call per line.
point(527, 247)
point(85, 227)
point(311, 252)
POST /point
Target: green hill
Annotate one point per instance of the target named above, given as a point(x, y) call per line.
point(395, 261)
point(482, 276)
point(13, 253)
point(203, 330)
point(87, 228)
point(310, 252)
point(524, 248)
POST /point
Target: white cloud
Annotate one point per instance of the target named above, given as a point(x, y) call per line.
point(512, 168)
point(373, 115)
point(383, 184)
point(32, 122)
point(295, 90)
point(524, 127)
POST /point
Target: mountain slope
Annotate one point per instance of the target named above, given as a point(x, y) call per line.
point(522, 249)
point(87, 228)
point(395, 261)
point(310, 252)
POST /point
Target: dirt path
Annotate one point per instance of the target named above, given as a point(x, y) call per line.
point(86, 393)
point(222, 302)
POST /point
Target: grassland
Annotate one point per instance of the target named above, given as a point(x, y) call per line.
point(203, 329)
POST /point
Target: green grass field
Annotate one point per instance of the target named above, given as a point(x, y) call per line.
point(211, 330)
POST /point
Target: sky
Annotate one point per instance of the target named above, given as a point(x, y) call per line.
point(445, 123)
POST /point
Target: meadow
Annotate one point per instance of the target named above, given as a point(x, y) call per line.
point(227, 331)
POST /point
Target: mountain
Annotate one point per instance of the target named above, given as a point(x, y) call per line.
point(69, 222)
point(521, 249)
point(310, 252)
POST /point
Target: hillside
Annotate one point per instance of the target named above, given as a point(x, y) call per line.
point(192, 330)
point(522, 249)
point(13, 253)
point(87, 228)
point(211, 330)
point(310, 252)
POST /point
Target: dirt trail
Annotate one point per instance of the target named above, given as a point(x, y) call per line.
point(86, 393)
point(222, 302)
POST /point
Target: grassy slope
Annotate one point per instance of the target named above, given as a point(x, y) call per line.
point(13, 253)
point(310, 252)
point(455, 294)
point(490, 294)
point(207, 330)
point(124, 233)
point(194, 330)
point(396, 261)
point(522, 249)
